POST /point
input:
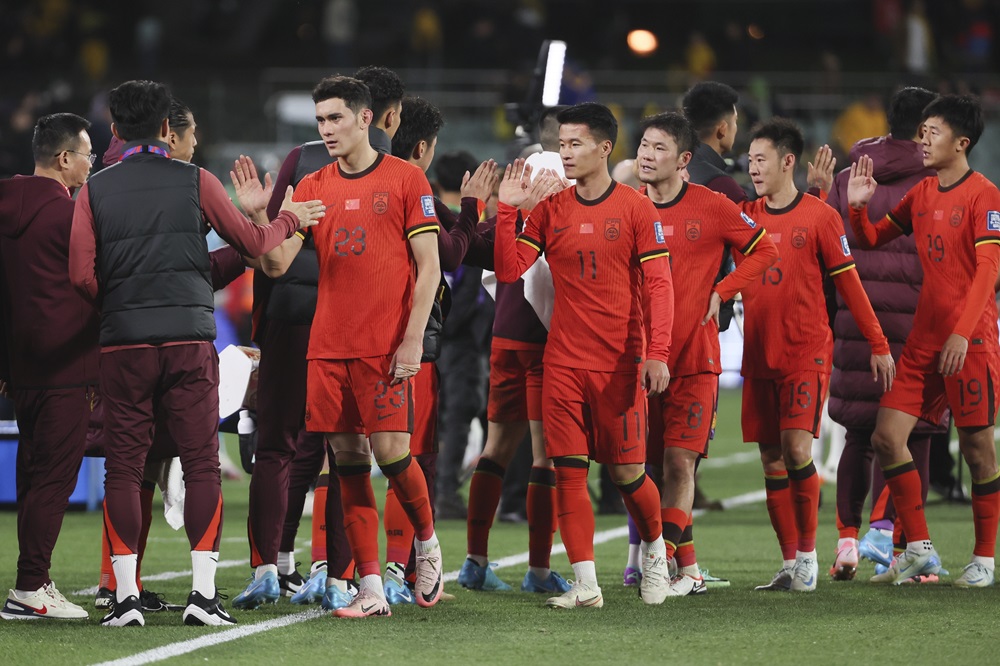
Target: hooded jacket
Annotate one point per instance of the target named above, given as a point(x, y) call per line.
point(49, 329)
point(891, 276)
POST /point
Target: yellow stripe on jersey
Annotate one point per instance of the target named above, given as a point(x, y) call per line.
point(656, 254)
point(987, 241)
point(896, 222)
point(423, 229)
point(843, 268)
point(753, 242)
point(536, 246)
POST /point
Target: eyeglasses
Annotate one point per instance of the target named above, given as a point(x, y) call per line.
point(91, 157)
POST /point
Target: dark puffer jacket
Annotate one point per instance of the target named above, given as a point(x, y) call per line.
point(891, 276)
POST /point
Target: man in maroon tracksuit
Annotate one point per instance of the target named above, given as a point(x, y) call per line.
point(48, 354)
point(137, 241)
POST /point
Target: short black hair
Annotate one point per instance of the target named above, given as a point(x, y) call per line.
point(597, 117)
point(355, 94)
point(386, 87)
point(450, 168)
point(906, 109)
point(783, 133)
point(962, 113)
point(548, 128)
point(179, 117)
point(55, 133)
point(707, 103)
point(138, 109)
point(420, 121)
point(675, 125)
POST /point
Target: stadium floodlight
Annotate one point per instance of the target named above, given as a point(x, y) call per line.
point(544, 88)
point(555, 59)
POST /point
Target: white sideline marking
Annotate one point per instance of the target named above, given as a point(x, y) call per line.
point(168, 575)
point(172, 650)
point(730, 460)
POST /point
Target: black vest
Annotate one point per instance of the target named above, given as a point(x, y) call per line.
point(152, 259)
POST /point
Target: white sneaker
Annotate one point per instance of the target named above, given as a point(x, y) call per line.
point(910, 564)
point(655, 584)
point(429, 584)
point(683, 585)
point(580, 595)
point(782, 581)
point(44, 603)
point(366, 604)
point(975, 575)
point(804, 573)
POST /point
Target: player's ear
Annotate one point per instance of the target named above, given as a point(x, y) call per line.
point(684, 160)
point(114, 130)
point(722, 129)
point(963, 144)
point(606, 148)
point(419, 149)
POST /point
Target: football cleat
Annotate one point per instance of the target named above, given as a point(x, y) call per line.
point(631, 577)
point(430, 573)
point(909, 565)
point(44, 603)
point(712, 581)
point(263, 590)
point(154, 603)
point(290, 583)
point(845, 565)
point(975, 574)
point(395, 588)
point(683, 585)
point(655, 582)
point(206, 612)
point(313, 588)
point(876, 547)
point(474, 577)
point(804, 573)
point(105, 597)
point(579, 595)
point(338, 594)
point(127, 613)
point(366, 604)
point(782, 581)
point(554, 584)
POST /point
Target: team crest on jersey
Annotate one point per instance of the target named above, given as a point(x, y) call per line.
point(845, 246)
point(799, 237)
point(748, 220)
point(993, 220)
point(692, 229)
point(380, 202)
point(956, 216)
point(612, 229)
point(427, 203)
point(658, 230)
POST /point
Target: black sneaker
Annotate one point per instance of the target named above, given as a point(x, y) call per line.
point(105, 599)
point(126, 613)
point(154, 603)
point(208, 612)
point(291, 583)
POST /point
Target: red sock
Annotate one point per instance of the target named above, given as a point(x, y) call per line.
point(541, 516)
point(782, 513)
point(904, 484)
point(398, 530)
point(484, 496)
point(674, 521)
point(642, 500)
point(107, 571)
point(685, 551)
point(410, 485)
point(360, 516)
point(985, 514)
point(576, 513)
point(804, 483)
point(319, 518)
point(146, 506)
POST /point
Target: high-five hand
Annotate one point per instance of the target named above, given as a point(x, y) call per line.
point(252, 196)
point(308, 212)
point(515, 184)
point(481, 183)
point(861, 185)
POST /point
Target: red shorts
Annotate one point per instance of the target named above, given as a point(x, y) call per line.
point(794, 402)
point(684, 416)
point(354, 396)
point(425, 410)
point(515, 384)
point(601, 415)
point(919, 390)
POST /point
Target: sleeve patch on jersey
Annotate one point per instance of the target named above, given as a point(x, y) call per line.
point(427, 203)
point(993, 220)
point(845, 246)
point(658, 229)
point(748, 220)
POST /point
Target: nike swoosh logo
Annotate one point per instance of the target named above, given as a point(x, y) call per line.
point(881, 553)
point(434, 592)
point(631, 448)
point(811, 581)
point(559, 230)
point(685, 435)
point(41, 611)
point(921, 214)
point(966, 412)
point(382, 417)
point(795, 416)
point(587, 602)
point(368, 609)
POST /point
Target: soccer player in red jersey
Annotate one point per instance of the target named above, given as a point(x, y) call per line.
point(951, 356)
point(788, 343)
point(602, 240)
point(703, 225)
point(379, 272)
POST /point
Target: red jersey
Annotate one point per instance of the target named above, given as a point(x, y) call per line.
point(599, 252)
point(702, 226)
point(787, 328)
point(366, 269)
point(948, 225)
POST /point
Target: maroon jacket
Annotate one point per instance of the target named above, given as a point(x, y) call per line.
point(891, 276)
point(50, 329)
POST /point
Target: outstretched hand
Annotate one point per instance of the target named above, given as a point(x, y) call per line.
point(861, 185)
point(252, 196)
point(515, 184)
point(821, 173)
point(482, 183)
point(308, 212)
